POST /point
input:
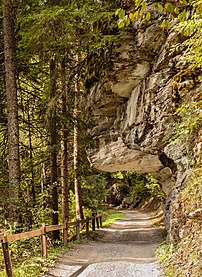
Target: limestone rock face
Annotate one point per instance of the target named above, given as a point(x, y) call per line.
point(133, 107)
point(116, 156)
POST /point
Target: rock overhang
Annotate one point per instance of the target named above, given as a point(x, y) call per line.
point(133, 105)
point(116, 156)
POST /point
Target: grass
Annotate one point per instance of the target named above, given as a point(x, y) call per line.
point(110, 216)
point(31, 264)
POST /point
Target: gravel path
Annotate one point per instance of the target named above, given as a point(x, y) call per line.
point(125, 249)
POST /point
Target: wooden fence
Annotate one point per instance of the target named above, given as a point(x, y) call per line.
point(42, 232)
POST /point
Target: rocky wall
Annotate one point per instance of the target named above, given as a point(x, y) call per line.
point(133, 107)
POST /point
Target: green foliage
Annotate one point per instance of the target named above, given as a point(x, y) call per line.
point(29, 263)
point(187, 253)
point(26, 255)
point(124, 19)
point(141, 12)
point(46, 31)
point(145, 185)
point(41, 212)
point(21, 254)
point(138, 187)
point(148, 16)
point(66, 28)
point(187, 249)
point(189, 24)
point(189, 121)
point(94, 191)
point(192, 28)
point(131, 188)
point(154, 188)
point(118, 175)
point(163, 251)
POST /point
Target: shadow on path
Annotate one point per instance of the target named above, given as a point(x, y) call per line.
point(126, 248)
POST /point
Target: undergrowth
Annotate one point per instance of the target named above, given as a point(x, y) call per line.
point(32, 265)
point(184, 259)
point(26, 255)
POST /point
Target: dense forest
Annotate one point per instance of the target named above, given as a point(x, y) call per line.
point(50, 51)
point(51, 54)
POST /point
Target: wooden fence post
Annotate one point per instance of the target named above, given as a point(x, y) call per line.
point(7, 258)
point(87, 227)
point(93, 222)
point(100, 217)
point(43, 241)
point(65, 233)
point(97, 221)
point(78, 229)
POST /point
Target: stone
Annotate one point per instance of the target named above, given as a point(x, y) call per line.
point(133, 108)
point(110, 158)
point(165, 177)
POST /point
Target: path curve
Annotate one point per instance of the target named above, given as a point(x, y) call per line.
point(125, 249)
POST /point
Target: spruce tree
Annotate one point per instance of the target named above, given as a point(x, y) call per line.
point(12, 108)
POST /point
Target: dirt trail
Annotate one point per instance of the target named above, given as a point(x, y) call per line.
point(125, 249)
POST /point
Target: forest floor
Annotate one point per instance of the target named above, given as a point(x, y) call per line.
point(126, 248)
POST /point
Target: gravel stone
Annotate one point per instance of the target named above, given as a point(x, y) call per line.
point(121, 269)
point(125, 249)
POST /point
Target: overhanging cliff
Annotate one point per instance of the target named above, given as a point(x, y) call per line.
point(133, 107)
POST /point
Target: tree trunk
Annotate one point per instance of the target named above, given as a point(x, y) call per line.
point(33, 192)
point(64, 176)
point(64, 158)
point(12, 110)
point(53, 154)
point(77, 185)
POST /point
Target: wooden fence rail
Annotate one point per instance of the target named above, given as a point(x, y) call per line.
point(42, 232)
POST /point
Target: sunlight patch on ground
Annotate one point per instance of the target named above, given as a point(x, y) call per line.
point(130, 229)
point(121, 269)
point(125, 223)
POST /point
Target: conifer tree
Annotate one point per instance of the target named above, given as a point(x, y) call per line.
point(64, 153)
point(77, 184)
point(49, 33)
point(12, 108)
